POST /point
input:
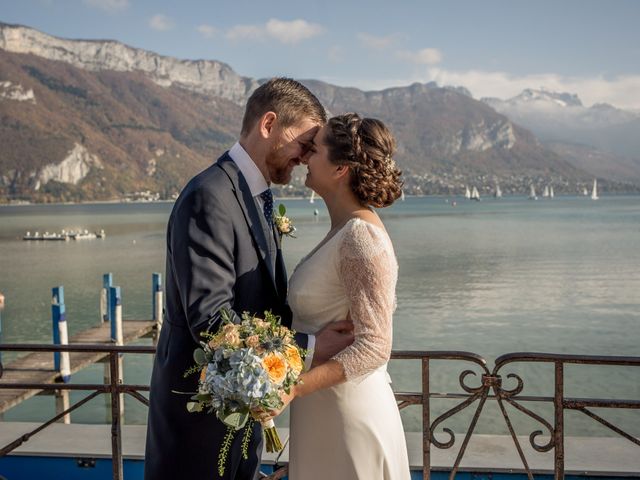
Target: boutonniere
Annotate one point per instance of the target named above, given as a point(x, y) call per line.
point(283, 223)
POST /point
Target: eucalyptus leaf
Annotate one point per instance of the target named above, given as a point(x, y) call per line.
point(194, 407)
point(282, 210)
point(203, 397)
point(199, 356)
point(236, 420)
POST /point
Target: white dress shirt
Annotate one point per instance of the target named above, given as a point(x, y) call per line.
point(257, 185)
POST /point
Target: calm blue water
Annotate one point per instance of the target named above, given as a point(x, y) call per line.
point(492, 277)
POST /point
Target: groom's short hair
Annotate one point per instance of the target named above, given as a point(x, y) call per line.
point(288, 99)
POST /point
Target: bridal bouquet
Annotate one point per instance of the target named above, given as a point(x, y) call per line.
point(244, 367)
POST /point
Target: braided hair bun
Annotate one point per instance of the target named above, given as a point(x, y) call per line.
point(366, 145)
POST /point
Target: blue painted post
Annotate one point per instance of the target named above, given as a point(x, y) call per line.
point(115, 307)
point(60, 333)
point(157, 298)
point(117, 335)
point(105, 310)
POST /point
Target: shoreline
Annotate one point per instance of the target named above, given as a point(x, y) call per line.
point(445, 196)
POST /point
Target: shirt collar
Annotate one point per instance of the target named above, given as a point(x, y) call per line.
point(248, 168)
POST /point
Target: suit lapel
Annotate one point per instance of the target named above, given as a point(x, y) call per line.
point(251, 214)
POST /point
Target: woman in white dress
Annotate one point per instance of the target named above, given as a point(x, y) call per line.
point(345, 423)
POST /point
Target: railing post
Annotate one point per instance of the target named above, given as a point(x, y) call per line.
point(558, 433)
point(157, 301)
point(105, 310)
point(426, 421)
point(61, 361)
point(116, 409)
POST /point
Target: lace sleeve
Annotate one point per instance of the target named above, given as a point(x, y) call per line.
point(368, 270)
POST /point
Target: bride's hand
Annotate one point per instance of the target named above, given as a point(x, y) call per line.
point(263, 415)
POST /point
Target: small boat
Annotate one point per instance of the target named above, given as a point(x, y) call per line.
point(532, 193)
point(594, 191)
point(475, 195)
point(467, 193)
point(312, 199)
point(84, 235)
point(545, 193)
point(498, 192)
point(46, 236)
point(402, 196)
point(584, 191)
point(551, 194)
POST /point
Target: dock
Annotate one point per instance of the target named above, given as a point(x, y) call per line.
point(39, 367)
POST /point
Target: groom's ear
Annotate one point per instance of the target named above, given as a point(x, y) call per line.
point(267, 124)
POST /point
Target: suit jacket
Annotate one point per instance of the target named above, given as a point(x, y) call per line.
point(220, 253)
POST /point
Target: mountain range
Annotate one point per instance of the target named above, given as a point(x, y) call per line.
point(601, 139)
point(98, 120)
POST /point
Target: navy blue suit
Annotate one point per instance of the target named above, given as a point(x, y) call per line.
point(221, 252)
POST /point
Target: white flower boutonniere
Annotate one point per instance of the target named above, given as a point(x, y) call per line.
point(283, 223)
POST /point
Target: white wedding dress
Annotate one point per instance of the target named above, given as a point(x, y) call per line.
point(353, 430)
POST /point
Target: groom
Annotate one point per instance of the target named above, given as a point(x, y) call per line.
point(223, 251)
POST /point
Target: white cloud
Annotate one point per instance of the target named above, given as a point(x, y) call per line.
point(207, 31)
point(622, 91)
point(108, 5)
point(288, 32)
point(161, 22)
point(426, 56)
point(378, 43)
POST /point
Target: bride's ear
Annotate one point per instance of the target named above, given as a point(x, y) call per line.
point(341, 171)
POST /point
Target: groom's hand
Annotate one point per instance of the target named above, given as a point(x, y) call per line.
point(332, 339)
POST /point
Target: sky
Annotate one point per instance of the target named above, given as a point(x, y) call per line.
point(494, 48)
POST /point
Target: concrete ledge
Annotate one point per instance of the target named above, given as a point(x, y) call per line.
point(485, 453)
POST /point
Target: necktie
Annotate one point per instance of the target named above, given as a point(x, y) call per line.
point(267, 205)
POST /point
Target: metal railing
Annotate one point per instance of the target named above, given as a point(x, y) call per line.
point(490, 388)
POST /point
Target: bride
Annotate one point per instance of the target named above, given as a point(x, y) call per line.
point(345, 422)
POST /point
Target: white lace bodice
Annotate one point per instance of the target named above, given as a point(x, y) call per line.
point(354, 272)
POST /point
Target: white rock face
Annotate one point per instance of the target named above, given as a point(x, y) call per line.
point(72, 169)
point(202, 76)
point(481, 137)
point(15, 91)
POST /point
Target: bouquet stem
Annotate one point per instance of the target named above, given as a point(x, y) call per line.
point(272, 440)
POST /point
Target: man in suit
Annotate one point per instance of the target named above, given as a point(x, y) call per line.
point(223, 251)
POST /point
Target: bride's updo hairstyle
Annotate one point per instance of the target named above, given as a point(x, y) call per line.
point(366, 145)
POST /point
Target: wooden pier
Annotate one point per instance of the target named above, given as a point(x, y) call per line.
point(39, 367)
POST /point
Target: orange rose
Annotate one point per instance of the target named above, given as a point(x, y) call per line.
point(293, 357)
point(253, 341)
point(275, 366)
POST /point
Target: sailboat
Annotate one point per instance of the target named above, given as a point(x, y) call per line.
point(498, 193)
point(551, 194)
point(545, 193)
point(532, 193)
point(313, 197)
point(467, 193)
point(584, 191)
point(402, 196)
point(475, 195)
point(594, 192)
